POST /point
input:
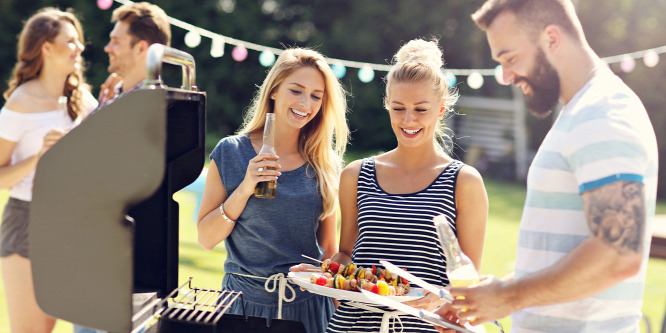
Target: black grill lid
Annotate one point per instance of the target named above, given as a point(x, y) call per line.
point(103, 225)
point(81, 244)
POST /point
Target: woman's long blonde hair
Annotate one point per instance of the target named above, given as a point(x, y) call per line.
point(43, 27)
point(322, 141)
point(421, 61)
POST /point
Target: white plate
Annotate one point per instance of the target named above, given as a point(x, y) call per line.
point(302, 279)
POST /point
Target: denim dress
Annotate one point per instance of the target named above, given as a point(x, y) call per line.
point(269, 237)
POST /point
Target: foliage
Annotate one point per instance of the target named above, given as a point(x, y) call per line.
point(367, 31)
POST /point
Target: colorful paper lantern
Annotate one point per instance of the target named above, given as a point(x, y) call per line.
point(192, 39)
point(450, 79)
point(239, 53)
point(627, 64)
point(104, 4)
point(499, 75)
point(475, 80)
point(217, 47)
point(339, 70)
point(651, 58)
point(366, 74)
point(266, 58)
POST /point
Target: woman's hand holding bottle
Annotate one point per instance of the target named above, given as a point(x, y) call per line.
point(263, 167)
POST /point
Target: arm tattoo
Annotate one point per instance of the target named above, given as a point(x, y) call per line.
point(616, 214)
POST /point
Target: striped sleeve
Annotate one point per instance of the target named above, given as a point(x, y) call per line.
point(608, 148)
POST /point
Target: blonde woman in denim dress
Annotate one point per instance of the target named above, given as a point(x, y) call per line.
point(265, 237)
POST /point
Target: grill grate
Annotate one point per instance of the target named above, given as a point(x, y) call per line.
point(190, 305)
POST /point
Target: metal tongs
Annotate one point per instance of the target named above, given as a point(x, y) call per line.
point(441, 292)
point(424, 315)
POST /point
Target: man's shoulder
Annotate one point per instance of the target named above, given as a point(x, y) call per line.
point(609, 93)
point(605, 102)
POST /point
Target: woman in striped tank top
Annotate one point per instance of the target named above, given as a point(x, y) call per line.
point(388, 201)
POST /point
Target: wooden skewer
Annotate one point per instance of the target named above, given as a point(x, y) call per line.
point(313, 259)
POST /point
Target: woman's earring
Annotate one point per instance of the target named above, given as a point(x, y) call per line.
point(272, 96)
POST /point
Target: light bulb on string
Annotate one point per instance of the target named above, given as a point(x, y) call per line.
point(627, 64)
point(475, 80)
point(192, 39)
point(266, 58)
point(217, 47)
point(339, 70)
point(366, 74)
point(104, 4)
point(239, 53)
point(499, 75)
point(450, 79)
point(651, 58)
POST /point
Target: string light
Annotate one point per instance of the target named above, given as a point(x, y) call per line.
point(499, 75)
point(339, 70)
point(450, 78)
point(475, 80)
point(266, 58)
point(366, 74)
point(651, 58)
point(239, 53)
point(627, 64)
point(367, 70)
point(104, 4)
point(192, 39)
point(217, 47)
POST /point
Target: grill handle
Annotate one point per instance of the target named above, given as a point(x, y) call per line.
point(158, 54)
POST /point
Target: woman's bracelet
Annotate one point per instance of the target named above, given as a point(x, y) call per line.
point(224, 216)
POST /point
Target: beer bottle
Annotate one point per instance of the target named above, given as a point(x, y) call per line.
point(459, 267)
point(267, 189)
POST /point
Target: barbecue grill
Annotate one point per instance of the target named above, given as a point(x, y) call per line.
point(103, 223)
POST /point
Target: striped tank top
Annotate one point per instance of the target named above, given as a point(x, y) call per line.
point(398, 228)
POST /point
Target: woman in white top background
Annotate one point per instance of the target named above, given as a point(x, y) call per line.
point(49, 65)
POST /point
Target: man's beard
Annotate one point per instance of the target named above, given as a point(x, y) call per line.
point(544, 82)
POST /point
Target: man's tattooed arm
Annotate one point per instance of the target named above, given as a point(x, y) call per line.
point(616, 215)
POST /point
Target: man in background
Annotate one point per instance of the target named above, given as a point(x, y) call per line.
point(138, 25)
point(591, 191)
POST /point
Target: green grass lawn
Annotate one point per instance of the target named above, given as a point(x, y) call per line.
point(506, 201)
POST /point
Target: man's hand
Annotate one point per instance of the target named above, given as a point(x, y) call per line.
point(489, 300)
point(106, 89)
point(447, 312)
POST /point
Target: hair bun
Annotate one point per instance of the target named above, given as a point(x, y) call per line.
point(420, 51)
